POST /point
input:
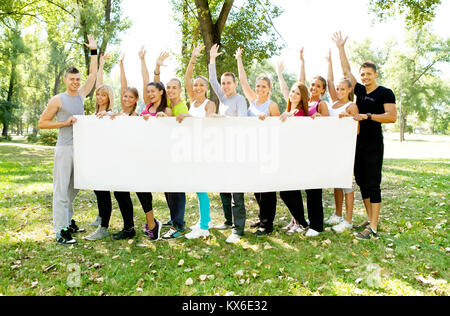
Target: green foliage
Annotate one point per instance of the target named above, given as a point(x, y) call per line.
point(249, 25)
point(48, 137)
point(417, 12)
point(32, 138)
point(413, 243)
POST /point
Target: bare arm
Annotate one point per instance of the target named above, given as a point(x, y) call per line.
point(197, 52)
point(302, 76)
point(210, 109)
point(330, 79)
point(99, 81)
point(46, 119)
point(123, 80)
point(283, 85)
point(346, 69)
point(145, 74)
point(274, 110)
point(390, 115)
point(249, 93)
point(160, 62)
point(87, 87)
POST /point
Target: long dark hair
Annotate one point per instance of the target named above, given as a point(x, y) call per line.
point(160, 86)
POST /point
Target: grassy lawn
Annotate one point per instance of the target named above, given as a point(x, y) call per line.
point(410, 257)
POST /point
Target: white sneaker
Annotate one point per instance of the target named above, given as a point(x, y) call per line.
point(234, 238)
point(311, 233)
point(100, 233)
point(223, 227)
point(334, 220)
point(97, 221)
point(296, 228)
point(197, 225)
point(342, 227)
point(197, 233)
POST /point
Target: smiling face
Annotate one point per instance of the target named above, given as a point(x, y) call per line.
point(72, 82)
point(262, 88)
point(368, 76)
point(102, 98)
point(343, 91)
point(173, 89)
point(154, 95)
point(317, 88)
point(129, 101)
point(228, 85)
point(295, 96)
point(200, 87)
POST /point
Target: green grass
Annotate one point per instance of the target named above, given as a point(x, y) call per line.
point(412, 252)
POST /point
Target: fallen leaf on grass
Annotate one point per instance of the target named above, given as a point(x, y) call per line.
point(180, 263)
point(189, 282)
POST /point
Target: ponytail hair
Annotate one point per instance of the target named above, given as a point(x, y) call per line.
point(351, 95)
point(160, 86)
point(324, 82)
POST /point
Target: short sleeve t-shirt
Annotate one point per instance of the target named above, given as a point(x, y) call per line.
point(372, 103)
point(180, 108)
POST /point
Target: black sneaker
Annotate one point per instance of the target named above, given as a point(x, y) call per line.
point(367, 234)
point(168, 223)
point(65, 238)
point(73, 228)
point(263, 232)
point(362, 226)
point(125, 234)
point(255, 225)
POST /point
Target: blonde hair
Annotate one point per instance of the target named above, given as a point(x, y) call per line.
point(109, 90)
point(351, 94)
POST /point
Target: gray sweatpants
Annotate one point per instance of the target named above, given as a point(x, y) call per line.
point(63, 188)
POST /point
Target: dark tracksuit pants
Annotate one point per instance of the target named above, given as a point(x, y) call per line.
point(234, 211)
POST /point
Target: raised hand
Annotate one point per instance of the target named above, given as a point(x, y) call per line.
point(214, 53)
point(197, 52)
point(142, 52)
point(301, 54)
point(122, 58)
point(92, 42)
point(280, 67)
point(238, 54)
point(338, 39)
point(162, 57)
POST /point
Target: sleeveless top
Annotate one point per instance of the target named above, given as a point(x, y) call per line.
point(312, 110)
point(255, 110)
point(199, 111)
point(336, 112)
point(146, 112)
point(70, 106)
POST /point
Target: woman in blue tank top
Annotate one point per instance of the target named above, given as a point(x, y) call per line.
point(260, 106)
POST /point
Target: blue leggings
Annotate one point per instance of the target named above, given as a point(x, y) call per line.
point(205, 217)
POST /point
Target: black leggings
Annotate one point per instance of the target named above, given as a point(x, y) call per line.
point(294, 202)
point(126, 206)
point(104, 206)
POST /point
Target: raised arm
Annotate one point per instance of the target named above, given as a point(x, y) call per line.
point(330, 79)
point(87, 87)
point(283, 85)
point(346, 69)
point(123, 80)
point(197, 52)
point(145, 74)
point(249, 93)
point(99, 81)
point(302, 76)
point(213, 54)
point(160, 63)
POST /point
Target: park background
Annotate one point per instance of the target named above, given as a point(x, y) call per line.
point(409, 40)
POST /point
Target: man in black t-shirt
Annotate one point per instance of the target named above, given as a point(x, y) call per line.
point(376, 106)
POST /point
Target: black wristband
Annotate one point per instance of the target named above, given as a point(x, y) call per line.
point(93, 52)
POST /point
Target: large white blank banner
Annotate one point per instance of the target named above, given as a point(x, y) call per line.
point(213, 155)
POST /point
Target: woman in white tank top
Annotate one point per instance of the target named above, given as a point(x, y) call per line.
point(342, 96)
point(200, 107)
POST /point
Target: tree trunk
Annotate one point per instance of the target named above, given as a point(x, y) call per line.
point(211, 32)
point(402, 126)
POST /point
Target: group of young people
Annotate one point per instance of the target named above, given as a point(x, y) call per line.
point(374, 105)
